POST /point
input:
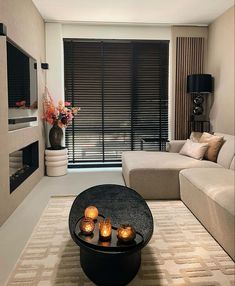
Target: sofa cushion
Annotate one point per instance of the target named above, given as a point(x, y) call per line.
point(217, 183)
point(226, 152)
point(194, 150)
point(214, 144)
point(174, 146)
point(195, 136)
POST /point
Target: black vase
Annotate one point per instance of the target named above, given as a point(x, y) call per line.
point(55, 136)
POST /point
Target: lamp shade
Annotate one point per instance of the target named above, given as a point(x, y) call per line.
point(199, 83)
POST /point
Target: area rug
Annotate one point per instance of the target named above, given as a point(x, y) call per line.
point(181, 252)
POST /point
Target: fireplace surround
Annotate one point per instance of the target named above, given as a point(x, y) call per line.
point(22, 163)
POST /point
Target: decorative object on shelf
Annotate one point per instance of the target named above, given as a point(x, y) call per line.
point(87, 226)
point(21, 104)
point(126, 233)
point(91, 212)
point(59, 116)
point(105, 229)
point(199, 85)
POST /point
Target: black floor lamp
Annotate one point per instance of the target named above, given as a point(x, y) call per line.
point(199, 86)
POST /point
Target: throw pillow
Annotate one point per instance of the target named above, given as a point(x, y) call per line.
point(214, 144)
point(194, 150)
point(195, 136)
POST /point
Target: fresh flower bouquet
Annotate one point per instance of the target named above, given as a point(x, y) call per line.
point(61, 114)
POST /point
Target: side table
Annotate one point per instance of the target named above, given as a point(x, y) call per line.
point(200, 125)
point(161, 142)
point(56, 162)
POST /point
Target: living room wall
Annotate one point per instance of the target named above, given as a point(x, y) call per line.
point(55, 32)
point(221, 66)
point(25, 27)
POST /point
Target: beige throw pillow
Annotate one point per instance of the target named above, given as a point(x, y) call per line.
point(194, 150)
point(214, 144)
point(195, 136)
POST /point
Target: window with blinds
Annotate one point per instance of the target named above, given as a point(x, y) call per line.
point(122, 89)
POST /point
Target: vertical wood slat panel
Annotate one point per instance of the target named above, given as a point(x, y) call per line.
point(189, 60)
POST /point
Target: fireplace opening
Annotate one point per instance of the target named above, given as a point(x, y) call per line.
point(22, 163)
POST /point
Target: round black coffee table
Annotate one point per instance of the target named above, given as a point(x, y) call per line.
point(117, 265)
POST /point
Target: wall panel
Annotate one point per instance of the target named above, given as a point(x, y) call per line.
point(189, 60)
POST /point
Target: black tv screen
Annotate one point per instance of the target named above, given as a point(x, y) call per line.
point(22, 78)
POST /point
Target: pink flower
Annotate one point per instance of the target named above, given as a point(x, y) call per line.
point(20, 103)
point(63, 113)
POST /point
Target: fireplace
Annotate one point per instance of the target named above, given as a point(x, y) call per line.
point(22, 163)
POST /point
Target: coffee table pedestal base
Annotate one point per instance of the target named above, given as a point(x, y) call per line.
point(114, 269)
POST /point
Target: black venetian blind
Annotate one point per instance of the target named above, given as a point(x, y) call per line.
point(122, 89)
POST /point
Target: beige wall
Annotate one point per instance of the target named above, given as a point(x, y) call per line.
point(26, 28)
point(221, 66)
point(55, 32)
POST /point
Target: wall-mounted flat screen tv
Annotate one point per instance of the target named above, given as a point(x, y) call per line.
point(22, 78)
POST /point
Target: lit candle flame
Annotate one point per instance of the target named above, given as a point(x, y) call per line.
point(105, 228)
point(87, 226)
point(126, 233)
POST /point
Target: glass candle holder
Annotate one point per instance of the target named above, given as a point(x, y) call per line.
point(87, 226)
point(91, 212)
point(105, 229)
point(126, 233)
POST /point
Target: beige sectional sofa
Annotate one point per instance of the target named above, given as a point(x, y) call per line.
point(210, 195)
point(206, 188)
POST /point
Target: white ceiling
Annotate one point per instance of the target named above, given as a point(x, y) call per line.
point(194, 12)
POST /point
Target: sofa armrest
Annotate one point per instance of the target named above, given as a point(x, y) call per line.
point(174, 146)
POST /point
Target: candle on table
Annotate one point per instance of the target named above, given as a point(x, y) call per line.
point(87, 226)
point(105, 229)
point(126, 233)
point(91, 212)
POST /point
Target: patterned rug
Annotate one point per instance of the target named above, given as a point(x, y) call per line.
point(181, 252)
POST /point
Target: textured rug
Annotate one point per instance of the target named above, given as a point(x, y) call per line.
point(181, 252)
